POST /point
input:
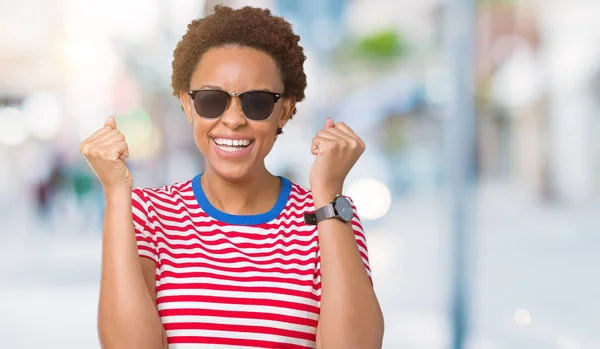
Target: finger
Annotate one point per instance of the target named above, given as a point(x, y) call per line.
point(341, 134)
point(340, 137)
point(125, 153)
point(110, 122)
point(84, 146)
point(329, 123)
point(320, 144)
point(111, 136)
point(99, 132)
point(117, 150)
point(108, 137)
point(315, 145)
point(347, 130)
point(326, 133)
point(342, 126)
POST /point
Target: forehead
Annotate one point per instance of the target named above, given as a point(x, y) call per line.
point(237, 69)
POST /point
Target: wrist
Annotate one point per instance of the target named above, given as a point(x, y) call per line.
point(322, 197)
point(117, 192)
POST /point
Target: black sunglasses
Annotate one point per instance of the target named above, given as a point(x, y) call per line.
point(256, 105)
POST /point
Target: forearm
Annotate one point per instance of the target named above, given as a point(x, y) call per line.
point(127, 316)
point(350, 313)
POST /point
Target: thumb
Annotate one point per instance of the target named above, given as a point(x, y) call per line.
point(329, 123)
point(111, 122)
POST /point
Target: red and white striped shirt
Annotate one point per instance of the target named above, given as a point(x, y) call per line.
point(233, 281)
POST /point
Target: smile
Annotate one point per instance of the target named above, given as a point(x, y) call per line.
point(232, 145)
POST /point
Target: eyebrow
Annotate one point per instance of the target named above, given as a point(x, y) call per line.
point(214, 87)
point(210, 87)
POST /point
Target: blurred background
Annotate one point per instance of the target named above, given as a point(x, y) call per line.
point(480, 201)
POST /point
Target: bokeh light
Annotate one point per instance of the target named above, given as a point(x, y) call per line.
point(371, 197)
point(522, 317)
point(13, 130)
point(143, 139)
point(43, 115)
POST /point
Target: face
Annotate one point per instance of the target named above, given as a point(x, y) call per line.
point(221, 140)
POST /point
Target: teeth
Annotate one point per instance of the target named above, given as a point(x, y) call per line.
point(232, 142)
point(229, 149)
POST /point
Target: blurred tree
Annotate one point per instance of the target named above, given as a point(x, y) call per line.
point(383, 46)
point(387, 44)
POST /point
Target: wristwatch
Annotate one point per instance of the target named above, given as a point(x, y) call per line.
point(339, 208)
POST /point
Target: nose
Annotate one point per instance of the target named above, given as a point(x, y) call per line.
point(234, 117)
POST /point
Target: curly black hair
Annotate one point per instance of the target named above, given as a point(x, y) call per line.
point(247, 27)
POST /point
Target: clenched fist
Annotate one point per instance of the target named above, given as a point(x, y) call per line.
point(106, 151)
point(336, 148)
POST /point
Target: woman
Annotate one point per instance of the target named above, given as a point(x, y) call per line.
point(235, 257)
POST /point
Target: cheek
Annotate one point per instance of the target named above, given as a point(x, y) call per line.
point(200, 130)
point(267, 135)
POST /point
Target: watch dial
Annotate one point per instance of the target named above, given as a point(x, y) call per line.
point(344, 208)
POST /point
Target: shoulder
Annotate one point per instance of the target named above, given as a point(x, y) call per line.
point(300, 192)
point(148, 195)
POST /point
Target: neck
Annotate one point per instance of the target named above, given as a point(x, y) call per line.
point(254, 194)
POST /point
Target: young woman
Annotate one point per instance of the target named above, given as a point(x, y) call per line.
point(235, 257)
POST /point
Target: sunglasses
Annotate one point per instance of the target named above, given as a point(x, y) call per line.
point(256, 105)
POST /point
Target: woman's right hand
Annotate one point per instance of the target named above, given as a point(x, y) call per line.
point(106, 151)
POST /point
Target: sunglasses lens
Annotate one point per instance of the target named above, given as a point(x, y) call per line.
point(257, 105)
point(211, 104)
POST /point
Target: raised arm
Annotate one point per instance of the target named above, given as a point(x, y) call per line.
point(351, 317)
point(127, 314)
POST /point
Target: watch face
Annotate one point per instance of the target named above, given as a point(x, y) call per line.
point(344, 208)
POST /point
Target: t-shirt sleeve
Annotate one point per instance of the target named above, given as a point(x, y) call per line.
point(361, 240)
point(144, 234)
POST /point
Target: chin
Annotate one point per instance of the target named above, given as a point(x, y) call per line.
point(233, 172)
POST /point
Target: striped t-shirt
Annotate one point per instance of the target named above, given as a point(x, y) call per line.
point(233, 281)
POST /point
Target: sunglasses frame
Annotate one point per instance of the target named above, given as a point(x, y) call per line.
point(276, 96)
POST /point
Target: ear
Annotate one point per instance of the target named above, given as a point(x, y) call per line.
point(186, 104)
point(289, 106)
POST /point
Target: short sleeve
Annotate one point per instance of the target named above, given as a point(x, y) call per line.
point(146, 239)
point(361, 240)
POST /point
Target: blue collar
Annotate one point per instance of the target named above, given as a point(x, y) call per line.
point(286, 188)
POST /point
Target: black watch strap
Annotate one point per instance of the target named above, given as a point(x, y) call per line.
point(310, 219)
point(323, 213)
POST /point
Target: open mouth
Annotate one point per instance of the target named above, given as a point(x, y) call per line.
point(232, 145)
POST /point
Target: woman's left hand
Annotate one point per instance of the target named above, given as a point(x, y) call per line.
point(337, 148)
